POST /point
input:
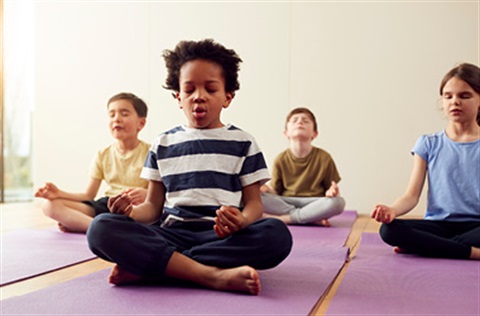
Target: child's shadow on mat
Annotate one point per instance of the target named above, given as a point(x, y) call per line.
point(165, 283)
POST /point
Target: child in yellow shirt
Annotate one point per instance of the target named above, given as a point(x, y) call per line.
point(119, 165)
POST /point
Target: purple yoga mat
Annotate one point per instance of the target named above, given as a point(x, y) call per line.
point(336, 235)
point(30, 252)
point(380, 282)
point(292, 288)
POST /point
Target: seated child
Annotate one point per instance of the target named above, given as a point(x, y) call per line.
point(119, 165)
point(451, 159)
point(303, 188)
point(204, 182)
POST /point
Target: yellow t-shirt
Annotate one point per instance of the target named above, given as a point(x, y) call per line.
point(304, 177)
point(120, 172)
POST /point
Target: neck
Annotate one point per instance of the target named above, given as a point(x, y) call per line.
point(124, 146)
point(463, 132)
point(300, 149)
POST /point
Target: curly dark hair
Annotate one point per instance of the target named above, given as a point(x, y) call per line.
point(206, 49)
point(469, 73)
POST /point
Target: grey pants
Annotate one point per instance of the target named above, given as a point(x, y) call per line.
point(303, 210)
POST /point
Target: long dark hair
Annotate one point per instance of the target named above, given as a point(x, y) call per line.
point(467, 72)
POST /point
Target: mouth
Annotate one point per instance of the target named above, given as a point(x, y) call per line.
point(455, 112)
point(199, 113)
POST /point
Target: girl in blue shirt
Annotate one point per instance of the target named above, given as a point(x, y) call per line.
point(451, 161)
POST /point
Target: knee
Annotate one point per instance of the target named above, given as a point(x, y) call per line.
point(277, 239)
point(52, 208)
point(337, 205)
point(468, 240)
point(102, 230)
point(389, 233)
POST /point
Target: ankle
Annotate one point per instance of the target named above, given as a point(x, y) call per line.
point(475, 253)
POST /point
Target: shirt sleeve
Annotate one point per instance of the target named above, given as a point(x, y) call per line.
point(331, 175)
point(254, 168)
point(276, 183)
point(421, 147)
point(150, 169)
point(96, 169)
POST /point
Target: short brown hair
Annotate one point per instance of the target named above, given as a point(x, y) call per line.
point(138, 104)
point(302, 110)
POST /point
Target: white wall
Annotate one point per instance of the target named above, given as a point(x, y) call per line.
point(370, 72)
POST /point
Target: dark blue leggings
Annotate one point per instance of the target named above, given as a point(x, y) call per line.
point(440, 239)
point(145, 250)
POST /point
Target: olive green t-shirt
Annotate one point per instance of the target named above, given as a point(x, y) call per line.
point(310, 176)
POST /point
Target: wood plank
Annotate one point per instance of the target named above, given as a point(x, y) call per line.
point(352, 242)
point(52, 278)
point(30, 215)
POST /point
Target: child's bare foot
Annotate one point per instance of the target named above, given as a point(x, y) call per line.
point(241, 279)
point(118, 276)
point(475, 253)
point(63, 228)
point(284, 218)
point(323, 222)
point(399, 250)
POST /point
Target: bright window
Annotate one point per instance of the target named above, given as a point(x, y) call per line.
point(18, 83)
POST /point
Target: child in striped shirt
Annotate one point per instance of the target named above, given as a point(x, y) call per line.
point(204, 186)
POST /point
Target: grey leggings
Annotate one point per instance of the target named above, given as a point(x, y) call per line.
point(303, 210)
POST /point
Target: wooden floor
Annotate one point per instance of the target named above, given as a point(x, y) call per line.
point(29, 215)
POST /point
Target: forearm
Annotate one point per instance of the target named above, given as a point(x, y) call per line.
point(77, 197)
point(89, 194)
point(410, 198)
point(252, 212)
point(146, 213)
point(253, 208)
point(404, 204)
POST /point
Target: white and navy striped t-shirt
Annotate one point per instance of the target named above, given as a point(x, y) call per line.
point(205, 168)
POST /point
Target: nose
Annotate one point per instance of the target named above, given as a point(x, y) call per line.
point(199, 96)
point(455, 100)
point(116, 117)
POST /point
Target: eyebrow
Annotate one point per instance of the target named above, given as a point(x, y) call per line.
point(120, 110)
point(461, 92)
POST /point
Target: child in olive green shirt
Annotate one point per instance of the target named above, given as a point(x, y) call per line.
point(304, 186)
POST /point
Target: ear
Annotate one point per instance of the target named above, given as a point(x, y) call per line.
point(315, 134)
point(142, 123)
point(177, 96)
point(229, 98)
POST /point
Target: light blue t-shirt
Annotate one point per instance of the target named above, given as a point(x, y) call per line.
point(453, 177)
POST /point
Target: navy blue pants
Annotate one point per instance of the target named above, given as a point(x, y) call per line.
point(145, 250)
point(440, 239)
